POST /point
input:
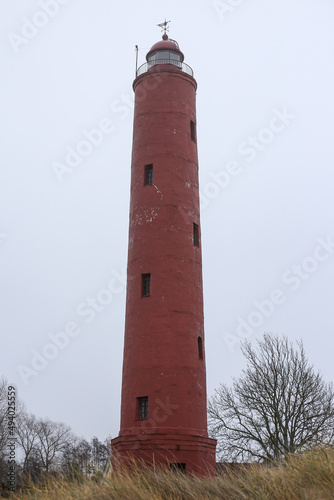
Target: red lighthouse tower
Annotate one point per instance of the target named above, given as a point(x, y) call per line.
point(163, 409)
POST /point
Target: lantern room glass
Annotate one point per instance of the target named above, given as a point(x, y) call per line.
point(165, 57)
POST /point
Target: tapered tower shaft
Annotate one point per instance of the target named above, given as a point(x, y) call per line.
point(163, 409)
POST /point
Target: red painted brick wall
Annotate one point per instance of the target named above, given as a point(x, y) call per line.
point(161, 358)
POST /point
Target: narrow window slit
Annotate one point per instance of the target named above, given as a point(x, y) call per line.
point(195, 234)
point(146, 285)
point(148, 176)
point(192, 131)
point(143, 407)
point(200, 347)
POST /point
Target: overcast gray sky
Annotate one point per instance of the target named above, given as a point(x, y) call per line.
point(265, 111)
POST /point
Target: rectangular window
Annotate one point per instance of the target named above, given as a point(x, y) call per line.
point(178, 467)
point(192, 131)
point(148, 179)
point(146, 285)
point(143, 408)
point(196, 236)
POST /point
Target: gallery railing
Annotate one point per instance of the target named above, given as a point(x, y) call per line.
point(148, 65)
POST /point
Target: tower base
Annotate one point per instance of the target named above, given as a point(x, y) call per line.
point(191, 454)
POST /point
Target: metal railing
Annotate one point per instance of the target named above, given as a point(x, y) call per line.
point(148, 65)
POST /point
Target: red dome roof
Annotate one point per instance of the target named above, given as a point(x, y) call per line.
point(165, 44)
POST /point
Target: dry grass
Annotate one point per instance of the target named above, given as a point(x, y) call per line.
point(309, 476)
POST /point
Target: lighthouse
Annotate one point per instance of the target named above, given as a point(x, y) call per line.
point(163, 401)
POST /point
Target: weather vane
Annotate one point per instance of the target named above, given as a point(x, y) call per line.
point(164, 26)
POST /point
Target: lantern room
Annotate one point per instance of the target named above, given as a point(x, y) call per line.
point(166, 51)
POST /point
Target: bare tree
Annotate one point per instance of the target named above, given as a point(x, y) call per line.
point(48, 446)
point(101, 454)
point(279, 405)
point(76, 457)
point(52, 440)
point(28, 438)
